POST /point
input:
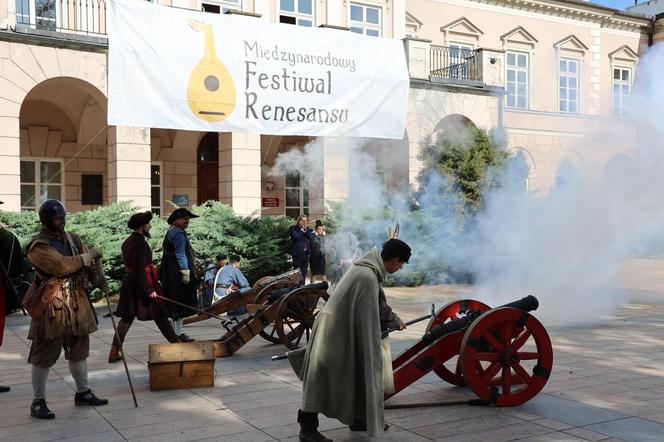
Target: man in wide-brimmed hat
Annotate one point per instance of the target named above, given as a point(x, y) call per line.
point(140, 290)
point(177, 273)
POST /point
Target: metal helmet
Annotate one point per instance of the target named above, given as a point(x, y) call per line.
point(50, 209)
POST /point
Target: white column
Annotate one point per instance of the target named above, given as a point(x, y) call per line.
point(336, 173)
point(129, 159)
point(240, 171)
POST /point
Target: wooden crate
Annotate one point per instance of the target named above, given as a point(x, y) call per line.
point(182, 365)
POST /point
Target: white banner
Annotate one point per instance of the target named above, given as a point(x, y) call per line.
point(182, 69)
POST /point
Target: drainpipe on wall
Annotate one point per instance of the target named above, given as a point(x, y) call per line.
point(501, 136)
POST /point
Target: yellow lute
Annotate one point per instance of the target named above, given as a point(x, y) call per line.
point(210, 92)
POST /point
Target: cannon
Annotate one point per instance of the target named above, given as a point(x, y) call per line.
point(280, 311)
point(503, 354)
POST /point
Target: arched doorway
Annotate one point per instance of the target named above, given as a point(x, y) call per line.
point(208, 167)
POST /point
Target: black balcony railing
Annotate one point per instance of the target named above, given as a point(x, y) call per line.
point(453, 63)
point(83, 17)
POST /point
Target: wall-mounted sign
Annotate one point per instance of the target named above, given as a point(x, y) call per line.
point(180, 200)
point(269, 184)
point(270, 202)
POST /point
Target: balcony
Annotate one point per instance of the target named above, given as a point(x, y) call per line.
point(479, 68)
point(83, 20)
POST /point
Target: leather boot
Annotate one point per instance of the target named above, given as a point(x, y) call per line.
point(88, 398)
point(114, 354)
point(309, 427)
point(39, 410)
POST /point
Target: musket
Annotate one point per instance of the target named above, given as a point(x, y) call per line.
point(100, 270)
point(190, 307)
point(384, 334)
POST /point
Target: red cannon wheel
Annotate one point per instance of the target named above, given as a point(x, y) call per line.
point(450, 371)
point(506, 356)
point(269, 333)
point(296, 315)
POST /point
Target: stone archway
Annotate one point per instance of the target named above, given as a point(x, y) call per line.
point(63, 145)
point(27, 68)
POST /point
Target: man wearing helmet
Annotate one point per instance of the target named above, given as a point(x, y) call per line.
point(69, 319)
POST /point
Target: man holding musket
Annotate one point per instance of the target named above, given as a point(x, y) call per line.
point(342, 369)
point(177, 273)
point(140, 290)
point(66, 323)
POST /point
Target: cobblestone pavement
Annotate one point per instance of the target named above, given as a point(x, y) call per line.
point(607, 384)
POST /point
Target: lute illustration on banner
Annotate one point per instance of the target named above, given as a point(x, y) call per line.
point(211, 91)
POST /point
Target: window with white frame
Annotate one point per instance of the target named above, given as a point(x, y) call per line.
point(155, 188)
point(459, 55)
point(365, 19)
point(297, 195)
point(23, 12)
point(568, 85)
point(41, 179)
point(516, 75)
point(221, 6)
point(622, 87)
point(297, 12)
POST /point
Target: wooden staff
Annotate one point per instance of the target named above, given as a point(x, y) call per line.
point(100, 271)
point(191, 308)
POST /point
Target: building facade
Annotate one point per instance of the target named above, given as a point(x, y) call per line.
point(551, 76)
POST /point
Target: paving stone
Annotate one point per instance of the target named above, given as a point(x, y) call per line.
point(631, 429)
point(569, 412)
point(586, 434)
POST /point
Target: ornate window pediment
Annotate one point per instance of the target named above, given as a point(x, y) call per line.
point(461, 27)
point(413, 25)
point(519, 36)
point(571, 43)
point(624, 54)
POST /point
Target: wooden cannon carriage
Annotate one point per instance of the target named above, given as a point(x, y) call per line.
point(278, 313)
point(503, 354)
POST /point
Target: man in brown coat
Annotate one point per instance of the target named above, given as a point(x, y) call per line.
point(140, 286)
point(69, 319)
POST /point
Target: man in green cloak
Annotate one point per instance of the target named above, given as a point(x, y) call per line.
point(342, 368)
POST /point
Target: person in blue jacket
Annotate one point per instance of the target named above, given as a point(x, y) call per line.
point(301, 237)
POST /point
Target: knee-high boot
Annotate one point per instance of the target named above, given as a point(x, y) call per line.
point(167, 330)
point(309, 427)
point(123, 328)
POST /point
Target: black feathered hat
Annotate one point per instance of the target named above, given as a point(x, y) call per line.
point(139, 219)
point(178, 213)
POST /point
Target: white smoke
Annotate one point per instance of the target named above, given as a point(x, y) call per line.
point(564, 247)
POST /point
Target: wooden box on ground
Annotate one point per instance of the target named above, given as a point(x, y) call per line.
point(182, 365)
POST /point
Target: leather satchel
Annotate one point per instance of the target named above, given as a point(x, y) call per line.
point(39, 297)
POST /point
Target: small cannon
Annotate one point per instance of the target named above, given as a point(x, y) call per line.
point(503, 354)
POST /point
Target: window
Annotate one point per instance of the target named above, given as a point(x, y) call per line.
point(365, 19)
point(221, 6)
point(23, 11)
point(459, 55)
point(155, 188)
point(622, 86)
point(92, 189)
point(297, 195)
point(297, 12)
point(40, 180)
point(45, 14)
point(517, 79)
point(568, 82)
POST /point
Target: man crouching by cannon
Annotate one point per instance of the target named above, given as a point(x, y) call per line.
point(342, 369)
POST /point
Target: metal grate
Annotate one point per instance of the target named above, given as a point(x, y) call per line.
point(455, 63)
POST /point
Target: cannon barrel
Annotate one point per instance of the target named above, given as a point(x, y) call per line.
point(529, 303)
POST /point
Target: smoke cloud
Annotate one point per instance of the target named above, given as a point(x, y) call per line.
point(563, 247)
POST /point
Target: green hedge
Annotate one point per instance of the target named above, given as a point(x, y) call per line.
point(262, 242)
